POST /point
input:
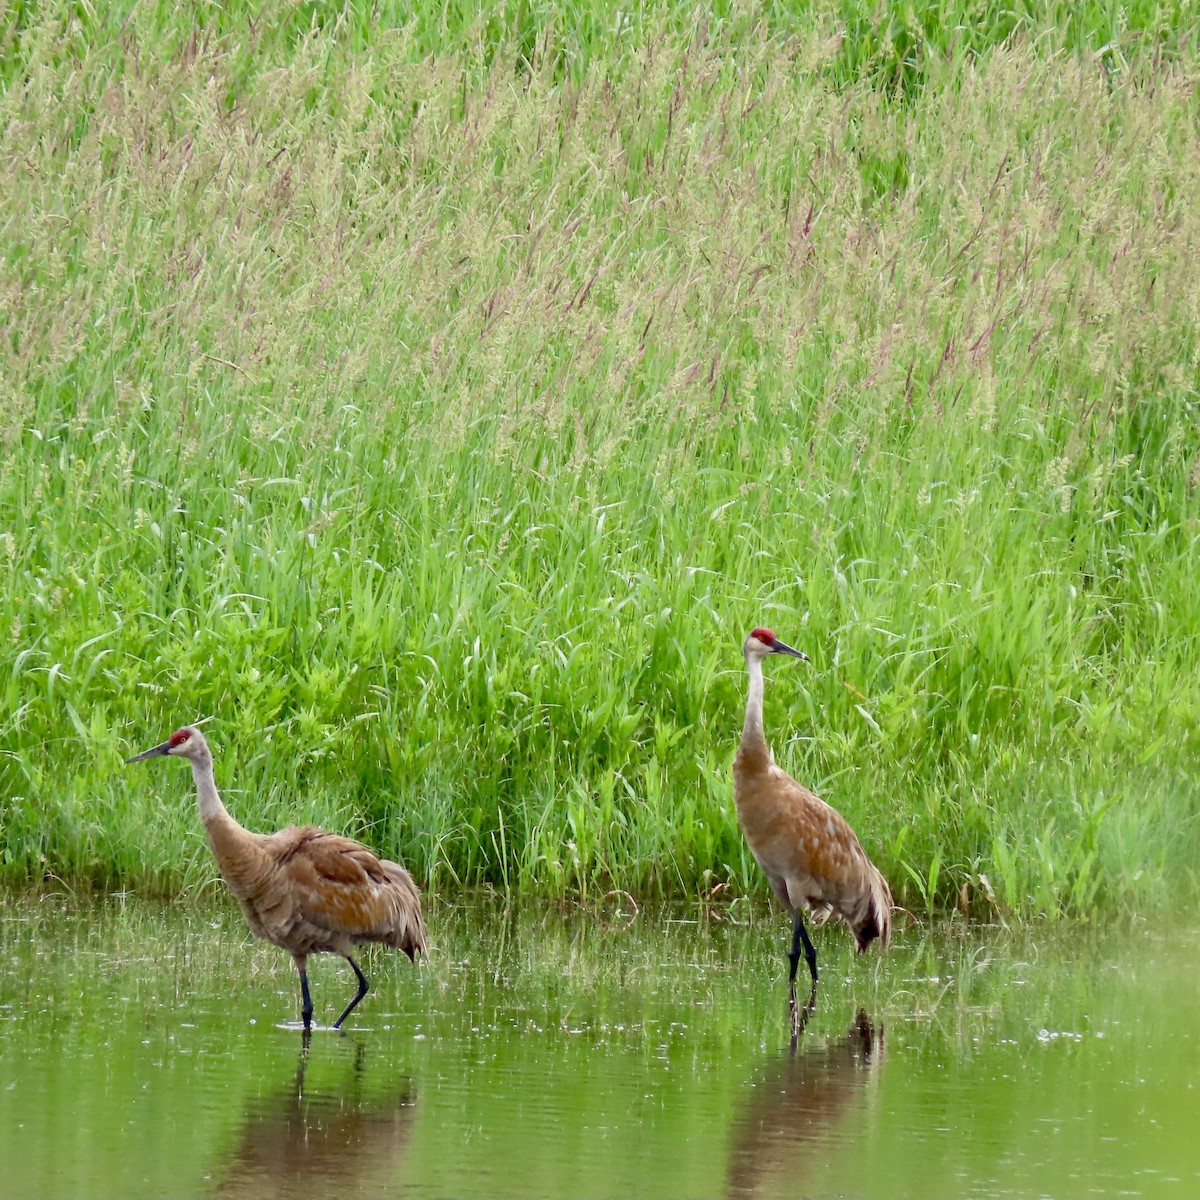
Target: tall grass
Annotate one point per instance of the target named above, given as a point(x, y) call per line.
point(435, 406)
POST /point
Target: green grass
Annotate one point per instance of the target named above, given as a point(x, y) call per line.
point(435, 407)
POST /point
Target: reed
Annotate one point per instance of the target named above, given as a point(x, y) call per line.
point(435, 406)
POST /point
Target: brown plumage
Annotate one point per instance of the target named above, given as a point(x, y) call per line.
point(808, 852)
point(306, 890)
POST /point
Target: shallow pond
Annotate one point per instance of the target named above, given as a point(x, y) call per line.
point(590, 1052)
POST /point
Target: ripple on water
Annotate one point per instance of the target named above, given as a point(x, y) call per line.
point(156, 1052)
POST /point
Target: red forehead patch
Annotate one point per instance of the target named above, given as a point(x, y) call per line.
point(764, 635)
point(179, 737)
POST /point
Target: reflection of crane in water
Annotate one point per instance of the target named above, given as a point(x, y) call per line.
point(808, 852)
point(795, 1104)
point(304, 1142)
point(306, 890)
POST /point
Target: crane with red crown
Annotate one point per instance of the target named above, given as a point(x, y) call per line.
point(807, 850)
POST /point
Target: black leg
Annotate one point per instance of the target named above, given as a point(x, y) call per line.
point(362, 991)
point(306, 1004)
point(800, 936)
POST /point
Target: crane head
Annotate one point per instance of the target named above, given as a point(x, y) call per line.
point(762, 642)
point(183, 743)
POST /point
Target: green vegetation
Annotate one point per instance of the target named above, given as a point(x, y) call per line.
point(435, 406)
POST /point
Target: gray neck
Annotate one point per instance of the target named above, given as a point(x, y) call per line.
point(206, 789)
point(753, 737)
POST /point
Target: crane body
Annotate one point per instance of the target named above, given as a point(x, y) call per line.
point(305, 890)
point(805, 847)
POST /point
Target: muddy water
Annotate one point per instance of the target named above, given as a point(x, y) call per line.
point(590, 1052)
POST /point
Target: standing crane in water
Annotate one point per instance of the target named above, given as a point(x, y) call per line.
point(809, 853)
point(306, 890)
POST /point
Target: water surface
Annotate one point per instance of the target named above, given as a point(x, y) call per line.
point(589, 1052)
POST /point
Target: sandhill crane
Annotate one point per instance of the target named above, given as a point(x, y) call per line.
point(808, 852)
point(302, 888)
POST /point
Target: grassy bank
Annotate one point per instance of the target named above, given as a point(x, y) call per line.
point(435, 408)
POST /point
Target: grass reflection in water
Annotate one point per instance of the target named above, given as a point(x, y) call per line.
point(580, 1050)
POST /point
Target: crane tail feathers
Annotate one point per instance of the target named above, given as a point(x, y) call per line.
point(408, 929)
point(878, 920)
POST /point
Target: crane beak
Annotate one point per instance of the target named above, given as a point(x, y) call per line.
point(780, 648)
point(153, 752)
